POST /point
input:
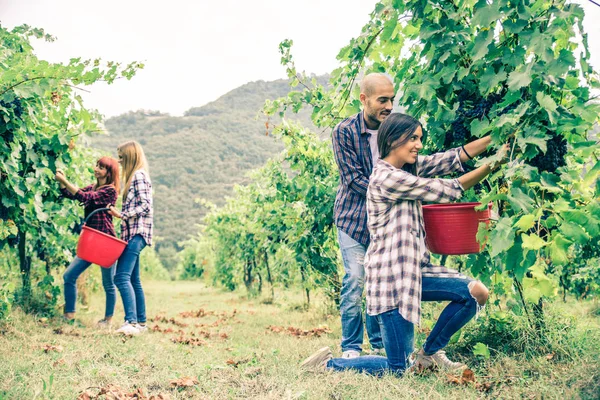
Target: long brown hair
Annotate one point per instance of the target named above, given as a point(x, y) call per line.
point(112, 172)
point(132, 160)
point(396, 130)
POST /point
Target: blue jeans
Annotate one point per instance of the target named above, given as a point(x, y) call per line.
point(128, 281)
point(70, 278)
point(351, 303)
point(398, 333)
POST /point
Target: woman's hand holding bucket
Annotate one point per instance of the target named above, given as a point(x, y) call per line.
point(113, 211)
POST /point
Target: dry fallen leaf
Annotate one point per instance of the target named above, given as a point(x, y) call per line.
point(86, 395)
point(58, 362)
point(316, 332)
point(468, 376)
point(50, 347)
point(186, 381)
point(160, 396)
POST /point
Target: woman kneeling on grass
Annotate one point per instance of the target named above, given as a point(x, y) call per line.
point(93, 197)
point(399, 274)
point(136, 230)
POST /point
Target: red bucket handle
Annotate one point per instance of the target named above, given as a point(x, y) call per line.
point(97, 211)
point(94, 212)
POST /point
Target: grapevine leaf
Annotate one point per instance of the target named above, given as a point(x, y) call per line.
point(576, 216)
point(480, 128)
point(490, 79)
point(480, 46)
point(514, 26)
point(573, 231)
point(485, 13)
point(518, 79)
point(546, 102)
point(525, 222)
point(561, 65)
point(388, 29)
point(532, 241)
point(514, 259)
point(558, 249)
point(592, 174)
point(481, 350)
point(520, 201)
point(531, 293)
point(502, 237)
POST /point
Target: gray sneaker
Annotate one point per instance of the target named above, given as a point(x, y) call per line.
point(318, 360)
point(350, 354)
point(437, 360)
point(104, 324)
point(142, 328)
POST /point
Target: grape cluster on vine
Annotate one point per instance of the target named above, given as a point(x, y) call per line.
point(553, 158)
point(14, 105)
point(589, 250)
point(17, 108)
point(472, 106)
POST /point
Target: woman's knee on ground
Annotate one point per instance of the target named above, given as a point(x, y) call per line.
point(479, 292)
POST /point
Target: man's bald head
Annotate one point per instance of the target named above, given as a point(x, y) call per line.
point(371, 82)
point(377, 97)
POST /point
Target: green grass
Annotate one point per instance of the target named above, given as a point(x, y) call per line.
point(249, 361)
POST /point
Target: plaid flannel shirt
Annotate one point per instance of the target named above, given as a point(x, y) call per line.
point(396, 258)
point(92, 200)
point(353, 157)
point(137, 213)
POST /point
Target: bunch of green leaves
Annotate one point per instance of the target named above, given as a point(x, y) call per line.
point(287, 208)
point(42, 123)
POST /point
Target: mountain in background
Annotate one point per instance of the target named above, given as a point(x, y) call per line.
point(200, 155)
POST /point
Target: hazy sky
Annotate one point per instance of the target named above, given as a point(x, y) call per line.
point(196, 51)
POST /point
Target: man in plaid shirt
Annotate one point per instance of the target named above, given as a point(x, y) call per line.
point(355, 150)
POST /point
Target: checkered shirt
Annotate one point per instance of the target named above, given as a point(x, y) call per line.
point(397, 258)
point(92, 200)
point(137, 213)
point(353, 157)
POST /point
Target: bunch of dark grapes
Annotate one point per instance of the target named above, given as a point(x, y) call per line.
point(457, 132)
point(14, 105)
point(17, 109)
point(469, 109)
point(589, 250)
point(554, 156)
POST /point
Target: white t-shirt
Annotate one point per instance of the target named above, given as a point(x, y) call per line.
point(373, 145)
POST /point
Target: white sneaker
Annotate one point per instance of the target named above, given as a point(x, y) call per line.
point(128, 329)
point(437, 360)
point(142, 328)
point(351, 354)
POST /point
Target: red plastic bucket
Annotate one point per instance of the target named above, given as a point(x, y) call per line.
point(98, 247)
point(452, 228)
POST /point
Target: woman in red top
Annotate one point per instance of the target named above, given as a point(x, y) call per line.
point(93, 197)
